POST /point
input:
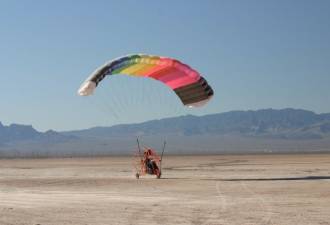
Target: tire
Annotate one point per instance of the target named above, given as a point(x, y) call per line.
point(159, 175)
point(137, 175)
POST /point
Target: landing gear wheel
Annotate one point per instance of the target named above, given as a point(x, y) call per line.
point(137, 175)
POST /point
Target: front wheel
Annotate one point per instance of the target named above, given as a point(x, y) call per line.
point(159, 174)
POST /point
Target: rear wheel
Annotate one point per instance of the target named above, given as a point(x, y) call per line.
point(137, 175)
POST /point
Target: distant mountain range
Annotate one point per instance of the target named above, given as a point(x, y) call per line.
point(16, 133)
point(285, 123)
point(236, 131)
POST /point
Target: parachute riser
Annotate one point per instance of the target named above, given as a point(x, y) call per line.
point(138, 143)
point(161, 157)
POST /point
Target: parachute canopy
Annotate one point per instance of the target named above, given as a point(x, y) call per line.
point(188, 84)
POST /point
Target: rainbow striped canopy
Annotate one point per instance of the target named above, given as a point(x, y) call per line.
point(188, 84)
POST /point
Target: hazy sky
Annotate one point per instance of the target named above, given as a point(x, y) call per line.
point(255, 54)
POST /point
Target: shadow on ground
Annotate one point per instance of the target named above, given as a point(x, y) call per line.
point(275, 178)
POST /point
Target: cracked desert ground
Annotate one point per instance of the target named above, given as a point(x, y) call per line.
point(218, 189)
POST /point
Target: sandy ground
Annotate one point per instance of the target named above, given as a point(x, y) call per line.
point(255, 189)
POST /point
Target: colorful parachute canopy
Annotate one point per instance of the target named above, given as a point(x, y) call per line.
point(188, 84)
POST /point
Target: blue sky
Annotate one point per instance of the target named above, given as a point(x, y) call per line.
point(255, 54)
